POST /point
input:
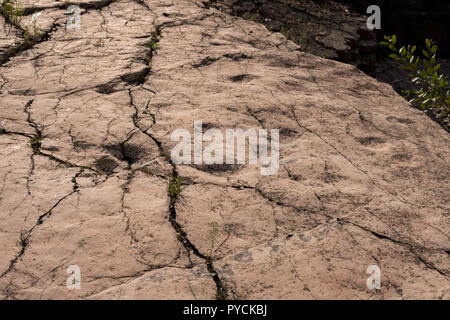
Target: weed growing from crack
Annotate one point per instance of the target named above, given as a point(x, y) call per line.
point(12, 11)
point(153, 45)
point(213, 232)
point(175, 186)
point(221, 294)
point(2, 131)
point(36, 144)
point(31, 35)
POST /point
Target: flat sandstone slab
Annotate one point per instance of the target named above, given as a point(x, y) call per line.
point(86, 118)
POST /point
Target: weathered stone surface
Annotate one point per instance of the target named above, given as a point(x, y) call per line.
point(163, 284)
point(86, 123)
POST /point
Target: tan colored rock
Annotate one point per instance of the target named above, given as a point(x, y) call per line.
point(163, 284)
point(86, 118)
point(330, 262)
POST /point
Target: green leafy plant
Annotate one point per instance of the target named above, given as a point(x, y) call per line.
point(12, 11)
point(31, 35)
point(433, 90)
point(155, 45)
point(175, 186)
point(2, 131)
point(36, 144)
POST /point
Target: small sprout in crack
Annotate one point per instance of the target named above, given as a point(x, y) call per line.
point(155, 45)
point(2, 131)
point(221, 294)
point(32, 35)
point(36, 144)
point(180, 238)
point(12, 11)
point(175, 187)
point(213, 232)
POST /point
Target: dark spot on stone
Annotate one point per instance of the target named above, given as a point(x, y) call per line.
point(370, 141)
point(136, 77)
point(218, 168)
point(276, 247)
point(244, 256)
point(51, 148)
point(401, 156)
point(106, 164)
point(288, 132)
point(133, 152)
point(108, 88)
point(82, 145)
point(241, 78)
point(237, 56)
point(207, 125)
point(205, 62)
point(330, 177)
point(401, 120)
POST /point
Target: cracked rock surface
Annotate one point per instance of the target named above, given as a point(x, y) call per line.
point(86, 118)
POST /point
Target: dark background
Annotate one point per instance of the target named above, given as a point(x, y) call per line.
point(412, 20)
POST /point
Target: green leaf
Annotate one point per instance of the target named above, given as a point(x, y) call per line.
point(394, 39)
point(413, 49)
point(425, 53)
point(435, 77)
point(436, 67)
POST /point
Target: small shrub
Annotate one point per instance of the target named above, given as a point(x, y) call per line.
point(12, 11)
point(433, 90)
point(175, 186)
point(31, 35)
point(36, 144)
point(213, 232)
